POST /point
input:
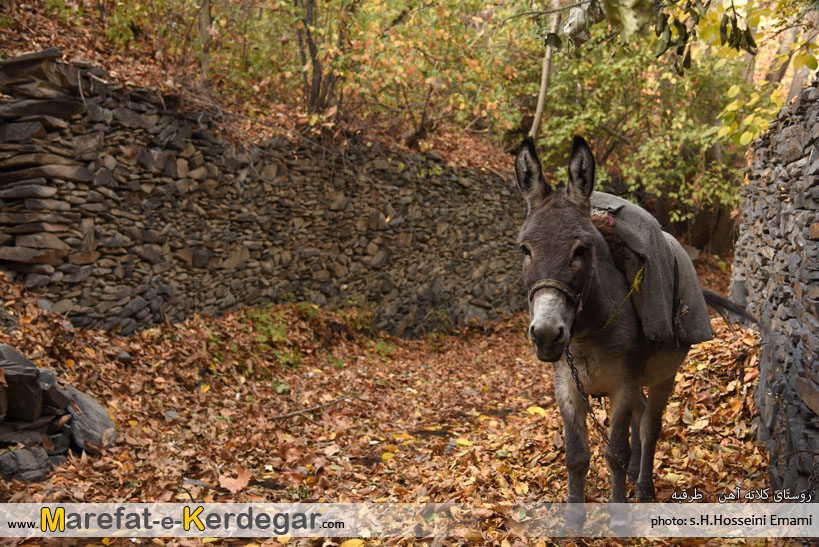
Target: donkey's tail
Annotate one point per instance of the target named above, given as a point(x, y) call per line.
point(723, 305)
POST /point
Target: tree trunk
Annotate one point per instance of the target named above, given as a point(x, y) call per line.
point(546, 73)
point(205, 40)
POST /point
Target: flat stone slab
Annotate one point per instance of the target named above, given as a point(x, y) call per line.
point(28, 255)
point(91, 427)
point(52, 53)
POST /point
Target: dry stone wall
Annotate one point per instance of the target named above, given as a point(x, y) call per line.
point(124, 210)
point(776, 274)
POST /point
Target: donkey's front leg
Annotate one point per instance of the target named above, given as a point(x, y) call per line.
point(573, 411)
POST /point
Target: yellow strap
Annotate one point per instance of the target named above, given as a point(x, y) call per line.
point(635, 287)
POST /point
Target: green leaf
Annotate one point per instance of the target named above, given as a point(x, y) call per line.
point(663, 43)
point(745, 138)
point(810, 62)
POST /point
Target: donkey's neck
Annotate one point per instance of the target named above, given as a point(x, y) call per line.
point(606, 290)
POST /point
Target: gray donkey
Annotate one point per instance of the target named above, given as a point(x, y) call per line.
point(624, 316)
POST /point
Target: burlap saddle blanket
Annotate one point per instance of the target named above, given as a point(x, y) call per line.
point(669, 301)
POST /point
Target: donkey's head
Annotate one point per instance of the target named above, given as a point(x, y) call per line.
point(558, 241)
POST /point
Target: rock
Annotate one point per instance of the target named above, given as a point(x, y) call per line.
point(30, 217)
point(28, 191)
point(380, 259)
point(91, 427)
point(35, 227)
point(63, 306)
point(338, 202)
point(29, 255)
point(25, 401)
point(198, 174)
point(50, 204)
point(237, 258)
point(84, 257)
point(42, 241)
point(26, 160)
point(27, 464)
point(48, 54)
point(74, 173)
point(201, 257)
point(149, 252)
point(20, 131)
point(36, 280)
point(133, 307)
point(39, 107)
point(814, 231)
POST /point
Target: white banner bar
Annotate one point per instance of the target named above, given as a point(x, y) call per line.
point(407, 520)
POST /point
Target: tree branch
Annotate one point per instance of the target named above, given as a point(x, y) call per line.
point(546, 72)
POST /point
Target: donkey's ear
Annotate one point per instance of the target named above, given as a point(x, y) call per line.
point(581, 173)
point(529, 174)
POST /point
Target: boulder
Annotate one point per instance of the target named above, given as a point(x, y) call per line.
point(28, 464)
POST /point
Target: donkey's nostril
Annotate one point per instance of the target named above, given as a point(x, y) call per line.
point(546, 335)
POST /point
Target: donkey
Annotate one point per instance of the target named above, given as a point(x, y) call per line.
point(579, 305)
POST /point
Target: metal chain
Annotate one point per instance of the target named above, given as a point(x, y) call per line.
point(597, 424)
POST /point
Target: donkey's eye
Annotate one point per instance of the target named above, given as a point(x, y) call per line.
point(526, 251)
point(579, 252)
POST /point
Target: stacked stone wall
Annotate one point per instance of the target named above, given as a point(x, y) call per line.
point(776, 275)
point(125, 209)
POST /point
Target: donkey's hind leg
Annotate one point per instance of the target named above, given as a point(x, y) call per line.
point(617, 450)
point(650, 427)
point(636, 417)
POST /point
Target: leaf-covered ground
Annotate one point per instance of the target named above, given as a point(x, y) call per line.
point(291, 403)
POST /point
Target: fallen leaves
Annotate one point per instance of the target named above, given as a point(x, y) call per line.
point(472, 419)
point(237, 484)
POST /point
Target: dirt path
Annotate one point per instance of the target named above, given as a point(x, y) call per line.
point(296, 404)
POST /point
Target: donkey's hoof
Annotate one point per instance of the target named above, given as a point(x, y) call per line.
point(634, 471)
point(645, 492)
point(618, 520)
point(575, 519)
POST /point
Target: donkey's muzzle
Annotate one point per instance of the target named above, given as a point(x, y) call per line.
point(549, 340)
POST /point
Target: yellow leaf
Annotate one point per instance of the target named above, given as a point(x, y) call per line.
point(133, 423)
point(70, 363)
point(673, 478)
point(536, 410)
point(699, 424)
point(107, 541)
point(733, 91)
point(724, 131)
point(283, 539)
point(352, 543)
point(90, 352)
point(391, 448)
point(204, 388)
point(387, 456)
point(210, 540)
point(735, 105)
point(745, 138)
point(463, 442)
